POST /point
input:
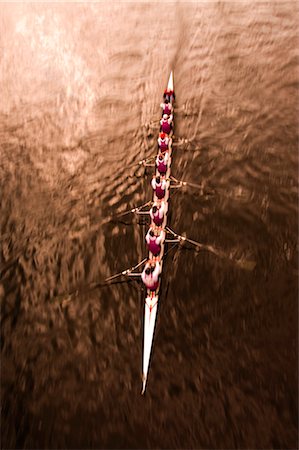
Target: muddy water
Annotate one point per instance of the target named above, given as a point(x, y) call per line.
point(80, 91)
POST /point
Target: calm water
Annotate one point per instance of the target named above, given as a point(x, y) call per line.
point(80, 91)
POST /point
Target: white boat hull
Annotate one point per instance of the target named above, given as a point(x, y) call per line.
point(150, 313)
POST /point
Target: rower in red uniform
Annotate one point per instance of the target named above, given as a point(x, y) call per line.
point(169, 95)
point(157, 213)
point(154, 237)
point(159, 185)
point(164, 142)
point(162, 162)
point(167, 107)
point(166, 123)
point(150, 275)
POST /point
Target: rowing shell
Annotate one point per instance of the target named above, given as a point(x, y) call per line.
point(152, 298)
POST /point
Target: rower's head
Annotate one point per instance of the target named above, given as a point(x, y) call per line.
point(158, 179)
point(166, 101)
point(161, 156)
point(165, 116)
point(148, 270)
point(155, 209)
point(162, 136)
point(152, 233)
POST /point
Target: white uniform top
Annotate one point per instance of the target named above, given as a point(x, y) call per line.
point(157, 239)
point(167, 140)
point(169, 106)
point(165, 159)
point(152, 278)
point(160, 211)
point(169, 120)
point(163, 184)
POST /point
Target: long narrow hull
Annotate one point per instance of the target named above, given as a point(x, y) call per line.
point(152, 299)
point(150, 314)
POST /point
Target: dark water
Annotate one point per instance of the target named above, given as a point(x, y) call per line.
point(80, 91)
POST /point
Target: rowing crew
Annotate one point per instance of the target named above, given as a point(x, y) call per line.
point(166, 124)
point(156, 236)
point(166, 121)
point(169, 95)
point(164, 142)
point(150, 275)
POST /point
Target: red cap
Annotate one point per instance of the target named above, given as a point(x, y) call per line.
point(162, 135)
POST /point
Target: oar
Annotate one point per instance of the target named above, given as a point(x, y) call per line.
point(153, 122)
point(181, 183)
point(66, 296)
point(244, 264)
point(133, 210)
point(126, 271)
point(143, 162)
point(181, 141)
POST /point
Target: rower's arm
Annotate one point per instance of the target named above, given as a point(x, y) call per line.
point(160, 238)
point(162, 210)
point(157, 270)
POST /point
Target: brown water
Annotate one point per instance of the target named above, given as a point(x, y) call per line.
point(80, 91)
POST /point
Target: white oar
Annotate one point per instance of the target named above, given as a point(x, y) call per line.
point(133, 210)
point(244, 264)
point(126, 271)
point(142, 162)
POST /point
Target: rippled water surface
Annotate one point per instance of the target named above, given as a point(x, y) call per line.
point(80, 88)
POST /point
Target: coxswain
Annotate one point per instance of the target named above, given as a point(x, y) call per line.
point(164, 142)
point(166, 123)
point(162, 162)
point(167, 107)
point(157, 213)
point(154, 237)
point(159, 185)
point(169, 95)
point(150, 275)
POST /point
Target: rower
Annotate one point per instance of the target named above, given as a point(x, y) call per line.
point(157, 213)
point(169, 95)
point(150, 275)
point(166, 123)
point(162, 162)
point(167, 107)
point(164, 142)
point(159, 185)
point(154, 238)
